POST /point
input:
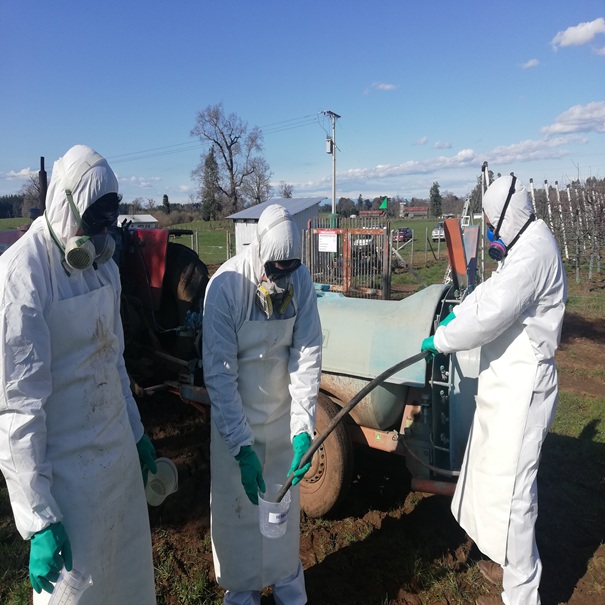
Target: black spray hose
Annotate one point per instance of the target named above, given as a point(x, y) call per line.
point(345, 410)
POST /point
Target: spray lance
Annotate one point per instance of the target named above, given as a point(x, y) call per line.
point(345, 410)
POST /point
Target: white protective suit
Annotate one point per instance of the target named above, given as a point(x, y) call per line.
point(516, 317)
point(263, 378)
point(68, 421)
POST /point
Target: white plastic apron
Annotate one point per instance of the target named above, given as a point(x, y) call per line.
point(483, 496)
point(244, 560)
point(97, 479)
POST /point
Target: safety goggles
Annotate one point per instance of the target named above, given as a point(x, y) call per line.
point(281, 268)
point(101, 215)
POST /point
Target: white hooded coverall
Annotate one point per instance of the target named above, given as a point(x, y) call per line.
point(68, 421)
point(516, 317)
point(263, 378)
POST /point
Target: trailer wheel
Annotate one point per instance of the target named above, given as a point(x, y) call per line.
point(327, 481)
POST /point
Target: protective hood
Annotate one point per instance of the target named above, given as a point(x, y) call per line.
point(518, 211)
point(88, 176)
point(278, 237)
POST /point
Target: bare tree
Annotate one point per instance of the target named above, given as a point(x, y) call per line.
point(257, 186)
point(136, 205)
point(285, 190)
point(234, 145)
point(31, 195)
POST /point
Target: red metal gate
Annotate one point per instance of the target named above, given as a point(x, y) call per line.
point(351, 256)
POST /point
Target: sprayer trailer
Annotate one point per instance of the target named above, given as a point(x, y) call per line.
point(422, 412)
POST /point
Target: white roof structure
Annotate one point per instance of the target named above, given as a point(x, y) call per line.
point(139, 220)
point(302, 210)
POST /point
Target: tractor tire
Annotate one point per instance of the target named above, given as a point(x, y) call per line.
point(326, 483)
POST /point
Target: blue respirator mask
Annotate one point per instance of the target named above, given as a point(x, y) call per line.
point(498, 249)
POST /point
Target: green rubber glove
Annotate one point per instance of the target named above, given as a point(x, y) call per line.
point(447, 319)
point(300, 444)
point(252, 473)
point(49, 552)
point(428, 344)
point(147, 457)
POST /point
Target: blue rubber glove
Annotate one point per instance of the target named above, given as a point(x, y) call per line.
point(447, 319)
point(428, 344)
point(147, 457)
point(251, 472)
point(49, 552)
point(300, 444)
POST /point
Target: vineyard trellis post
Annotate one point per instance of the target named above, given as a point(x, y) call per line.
point(564, 234)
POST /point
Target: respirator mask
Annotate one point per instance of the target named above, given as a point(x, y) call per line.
point(275, 292)
point(96, 245)
point(498, 249)
point(82, 251)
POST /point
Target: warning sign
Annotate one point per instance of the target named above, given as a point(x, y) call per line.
point(328, 241)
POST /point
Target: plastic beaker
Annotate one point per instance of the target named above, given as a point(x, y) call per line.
point(69, 587)
point(272, 515)
point(161, 483)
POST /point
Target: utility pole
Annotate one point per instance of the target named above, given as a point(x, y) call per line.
point(331, 148)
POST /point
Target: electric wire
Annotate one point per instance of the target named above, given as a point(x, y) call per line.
point(269, 129)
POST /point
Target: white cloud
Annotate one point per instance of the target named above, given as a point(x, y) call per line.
point(453, 171)
point(383, 86)
point(531, 63)
point(526, 151)
point(579, 118)
point(21, 175)
point(599, 51)
point(462, 158)
point(133, 185)
point(579, 34)
point(442, 145)
point(421, 141)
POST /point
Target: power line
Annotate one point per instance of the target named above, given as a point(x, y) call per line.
point(153, 152)
point(143, 155)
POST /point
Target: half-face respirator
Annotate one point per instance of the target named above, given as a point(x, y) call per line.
point(275, 292)
point(95, 245)
point(82, 251)
point(498, 249)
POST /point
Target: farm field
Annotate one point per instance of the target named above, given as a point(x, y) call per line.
point(388, 545)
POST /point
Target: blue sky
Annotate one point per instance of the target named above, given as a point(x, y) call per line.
point(427, 91)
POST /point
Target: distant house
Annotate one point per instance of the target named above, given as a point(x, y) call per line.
point(138, 221)
point(414, 211)
point(302, 210)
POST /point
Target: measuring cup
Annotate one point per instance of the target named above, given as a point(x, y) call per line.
point(162, 483)
point(69, 587)
point(273, 516)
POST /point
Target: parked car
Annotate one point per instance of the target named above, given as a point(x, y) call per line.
point(403, 234)
point(438, 232)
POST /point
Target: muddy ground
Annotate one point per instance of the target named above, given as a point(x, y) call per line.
point(390, 546)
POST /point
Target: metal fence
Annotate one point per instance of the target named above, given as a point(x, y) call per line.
point(351, 256)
